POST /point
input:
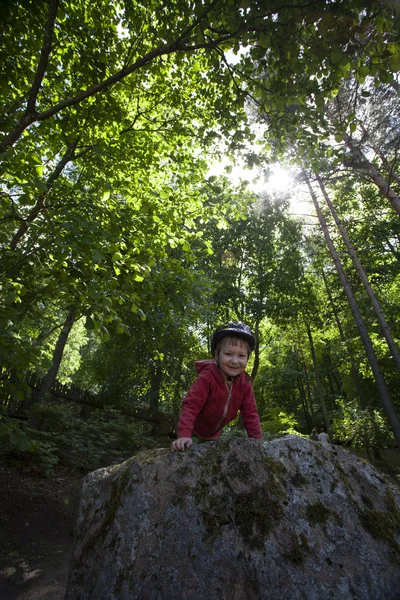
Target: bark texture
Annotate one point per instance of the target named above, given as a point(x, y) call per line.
point(238, 520)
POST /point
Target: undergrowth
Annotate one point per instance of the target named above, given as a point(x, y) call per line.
point(61, 435)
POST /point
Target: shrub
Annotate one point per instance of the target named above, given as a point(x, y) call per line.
point(58, 433)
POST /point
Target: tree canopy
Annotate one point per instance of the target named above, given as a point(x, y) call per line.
point(120, 252)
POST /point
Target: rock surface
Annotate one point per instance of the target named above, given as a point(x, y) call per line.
point(238, 520)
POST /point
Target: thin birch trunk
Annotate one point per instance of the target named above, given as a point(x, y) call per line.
point(372, 171)
point(310, 401)
point(318, 382)
point(393, 249)
point(386, 164)
point(303, 399)
point(354, 371)
point(382, 387)
point(256, 362)
point(385, 329)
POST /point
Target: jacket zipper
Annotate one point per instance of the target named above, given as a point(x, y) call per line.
point(225, 409)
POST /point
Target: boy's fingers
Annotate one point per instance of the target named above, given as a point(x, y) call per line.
point(181, 444)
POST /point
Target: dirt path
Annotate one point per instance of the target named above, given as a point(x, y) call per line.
point(37, 518)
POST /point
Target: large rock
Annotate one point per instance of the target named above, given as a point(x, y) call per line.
point(239, 520)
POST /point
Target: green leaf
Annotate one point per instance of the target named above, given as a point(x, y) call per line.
point(89, 323)
point(97, 257)
point(24, 444)
point(395, 63)
point(35, 158)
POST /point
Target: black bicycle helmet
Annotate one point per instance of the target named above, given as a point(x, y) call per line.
point(234, 330)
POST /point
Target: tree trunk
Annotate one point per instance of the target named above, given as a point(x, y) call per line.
point(256, 362)
point(353, 369)
point(318, 382)
point(50, 377)
point(375, 176)
point(155, 385)
point(393, 249)
point(303, 399)
point(385, 329)
point(382, 387)
point(386, 164)
point(309, 396)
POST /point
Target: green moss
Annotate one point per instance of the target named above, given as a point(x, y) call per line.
point(317, 513)
point(392, 506)
point(149, 456)
point(367, 501)
point(338, 518)
point(118, 488)
point(239, 468)
point(276, 467)
point(382, 526)
point(299, 480)
point(333, 485)
point(298, 550)
point(252, 514)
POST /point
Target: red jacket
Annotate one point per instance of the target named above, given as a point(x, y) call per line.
point(209, 405)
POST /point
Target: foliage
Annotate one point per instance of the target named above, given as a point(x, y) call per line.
point(112, 115)
point(362, 428)
point(13, 435)
point(275, 421)
point(59, 434)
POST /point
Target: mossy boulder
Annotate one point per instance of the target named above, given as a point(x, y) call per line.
point(238, 520)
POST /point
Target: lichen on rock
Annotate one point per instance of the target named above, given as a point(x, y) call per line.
point(238, 519)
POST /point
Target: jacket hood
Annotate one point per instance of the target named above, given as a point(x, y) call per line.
point(209, 363)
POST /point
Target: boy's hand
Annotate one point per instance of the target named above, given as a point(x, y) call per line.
point(181, 444)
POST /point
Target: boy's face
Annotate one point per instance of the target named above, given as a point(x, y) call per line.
point(232, 356)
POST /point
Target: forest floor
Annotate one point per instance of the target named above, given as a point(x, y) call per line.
point(37, 518)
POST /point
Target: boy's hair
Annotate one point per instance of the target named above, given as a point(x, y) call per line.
point(235, 340)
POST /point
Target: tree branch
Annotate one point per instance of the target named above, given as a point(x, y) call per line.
point(44, 57)
point(68, 156)
point(177, 45)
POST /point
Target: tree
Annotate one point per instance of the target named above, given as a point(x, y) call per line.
point(380, 381)
point(50, 377)
point(255, 267)
point(374, 301)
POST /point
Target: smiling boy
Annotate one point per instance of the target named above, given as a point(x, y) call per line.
point(221, 389)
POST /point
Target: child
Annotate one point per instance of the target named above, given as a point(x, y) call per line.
point(221, 389)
